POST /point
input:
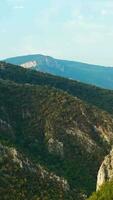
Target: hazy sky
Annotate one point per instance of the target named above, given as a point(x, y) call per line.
point(71, 29)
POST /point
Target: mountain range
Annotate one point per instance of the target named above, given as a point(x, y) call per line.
point(54, 135)
point(92, 74)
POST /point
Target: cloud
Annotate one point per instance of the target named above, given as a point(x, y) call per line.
point(16, 4)
point(18, 7)
point(104, 12)
point(15, 1)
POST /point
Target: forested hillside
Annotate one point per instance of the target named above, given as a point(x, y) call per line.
point(53, 139)
point(93, 95)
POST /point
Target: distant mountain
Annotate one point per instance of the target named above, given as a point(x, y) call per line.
point(93, 74)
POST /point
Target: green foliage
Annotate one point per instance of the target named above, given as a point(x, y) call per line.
point(105, 192)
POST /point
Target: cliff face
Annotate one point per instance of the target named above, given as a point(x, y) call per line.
point(106, 170)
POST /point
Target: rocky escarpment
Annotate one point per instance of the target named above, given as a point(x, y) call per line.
point(106, 170)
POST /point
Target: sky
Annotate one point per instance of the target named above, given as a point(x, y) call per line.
point(80, 30)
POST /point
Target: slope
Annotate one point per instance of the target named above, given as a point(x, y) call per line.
point(93, 74)
point(22, 179)
point(93, 95)
point(56, 130)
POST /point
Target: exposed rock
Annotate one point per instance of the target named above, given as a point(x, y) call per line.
point(83, 139)
point(29, 64)
point(55, 147)
point(63, 182)
point(107, 135)
point(106, 170)
point(10, 158)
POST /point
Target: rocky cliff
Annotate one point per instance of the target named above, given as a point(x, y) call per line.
point(106, 170)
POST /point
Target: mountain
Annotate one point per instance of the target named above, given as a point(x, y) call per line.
point(92, 74)
point(52, 141)
point(101, 98)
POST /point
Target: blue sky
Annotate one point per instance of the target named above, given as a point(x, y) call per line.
point(79, 30)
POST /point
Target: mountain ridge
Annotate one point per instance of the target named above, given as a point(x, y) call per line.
point(52, 57)
point(87, 73)
point(93, 95)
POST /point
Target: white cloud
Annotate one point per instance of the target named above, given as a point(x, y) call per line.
point(16, 4)
point(104, 12)
point(18, 7)
point(15, 1)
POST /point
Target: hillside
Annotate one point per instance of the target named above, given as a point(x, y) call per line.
point(92, 95)
point(22, 179)
point(60, 132)
point(43, 118)
point(92, 74)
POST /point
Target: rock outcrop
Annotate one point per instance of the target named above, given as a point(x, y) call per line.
point(106, 170)
point(55, 147)
point(30, 64)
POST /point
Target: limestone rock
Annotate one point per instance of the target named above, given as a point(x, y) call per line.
point(56, 147)
point(83, 139)
point(30, 64)
point(106, 170)
point(10, 158)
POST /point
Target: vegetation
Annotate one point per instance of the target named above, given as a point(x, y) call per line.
point(101, 98)
point(20, 179)
point(51, 128)
point(105, 192)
